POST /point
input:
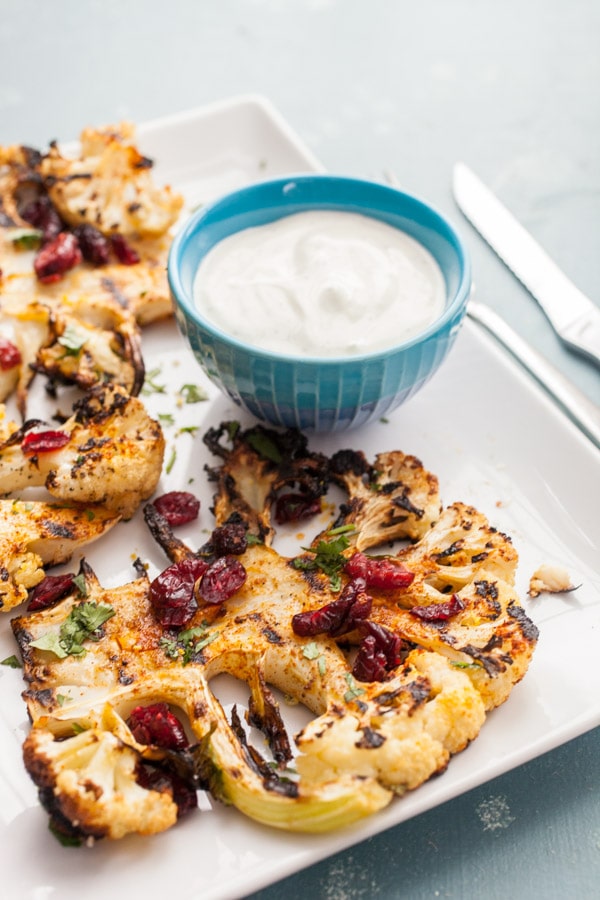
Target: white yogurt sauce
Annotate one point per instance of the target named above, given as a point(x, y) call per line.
point(320, 283)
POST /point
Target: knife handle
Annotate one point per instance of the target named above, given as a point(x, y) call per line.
point(584, 335)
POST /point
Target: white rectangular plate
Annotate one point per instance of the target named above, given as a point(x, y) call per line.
point(493, 439)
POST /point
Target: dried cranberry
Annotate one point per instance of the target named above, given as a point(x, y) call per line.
point(357, 566)
point(293, 507)
point(229, 539)
point(42, 214)
point(221, 580)
point(338, 617)
point(379, 651)
point(94, 246)
point(44, 442)
point(49, 591)
point(178, 507)
point(439, 612)
point(10, 356)
point(57, 257)
point(124, 251)
point(385, 574)
point(157, 725)
point(172, 592)
point(370, 663)
point(184, 795)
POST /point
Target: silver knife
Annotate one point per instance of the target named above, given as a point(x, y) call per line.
point(576, 405)
point(573, 316)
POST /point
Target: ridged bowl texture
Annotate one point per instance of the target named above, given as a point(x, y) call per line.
point(318, 394)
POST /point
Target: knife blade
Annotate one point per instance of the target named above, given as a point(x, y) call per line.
point(574, 317)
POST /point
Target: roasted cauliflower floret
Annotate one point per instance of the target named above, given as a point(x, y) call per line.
point(393, 497)
point(460, 543)
point(110, 186)
point(489, 634)
point(550, 579)
point(256, 465)
point(91, 341)
point(85, 341)
point(110, 453)
point(27, 326)
point(35, 534)
point(401, 733)
point(17, 165)
point(88, 785)
point(11, 370)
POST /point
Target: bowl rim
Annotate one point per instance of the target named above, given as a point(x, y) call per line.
point(191, 225)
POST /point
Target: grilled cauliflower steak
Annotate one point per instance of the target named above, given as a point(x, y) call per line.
point(130, 663)
point(110, 452)
point(35, 534)
point(396, 656)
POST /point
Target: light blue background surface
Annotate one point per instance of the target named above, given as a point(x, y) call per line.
point(512, 89)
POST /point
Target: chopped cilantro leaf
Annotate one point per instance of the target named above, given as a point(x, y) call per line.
point(81, 624)
point(200, 645)
point(26, 238)
point(12, 662)
point(192, 393)
point(150, 384)
point(232, 429)
point(341, 529)
point(79, 582)
point(264, 446)
point(50, 642)
point(194, 640)
point(169, 647)
point(171, 461)
point(67, 840)
point(311, 651)
point(328, 558)
point(190, 633)
point(72, 340)
point(353, 690)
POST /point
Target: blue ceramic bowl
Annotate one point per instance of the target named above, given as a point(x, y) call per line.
point(312, 393)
